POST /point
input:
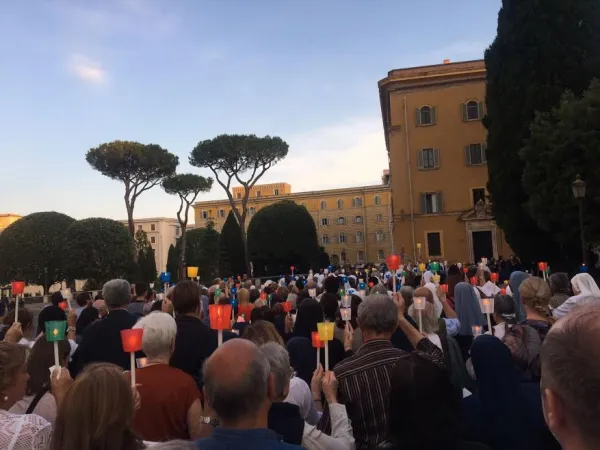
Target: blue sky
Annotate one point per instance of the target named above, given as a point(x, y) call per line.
point(74, 74)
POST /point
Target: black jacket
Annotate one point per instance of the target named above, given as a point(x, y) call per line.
point(102, 342)
point(286, 421)
point(194, 343)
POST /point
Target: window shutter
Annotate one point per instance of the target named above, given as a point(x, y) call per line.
point(484, 152)
point(433, 115)
point(418, 117)
point(423, 204)
point(463, 107)
point(421, 159)
point(467, 155)
point(436, 157)
point(440, 201)
point(480, 109)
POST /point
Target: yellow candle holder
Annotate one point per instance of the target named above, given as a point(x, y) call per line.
point(325, 331)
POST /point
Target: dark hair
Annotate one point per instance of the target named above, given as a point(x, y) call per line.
point(331, 285)
point(186, 297)
point(48, 314)
point(56, 298)
point(41, 358)
point(156, 306)
point(570, 368)
point(25, 319)
point(99, 296)
point(83, 298)
point(472, 271)
point(309, 314)
point(453, 270)
point(559, 283)
point(141, 288)
point(330, 305)
point(504, 306)
point(262, 313)
point(416, 385)
point(12, 361)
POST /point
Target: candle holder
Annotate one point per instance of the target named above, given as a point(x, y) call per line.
point(192, 272)
point(494, 277)
point(219, 319)
point(245, 311)
point(474, 281)
point(17, 288)
point(476, 329)
point(66, 295)
point(445, 288)
point(326, 334)
point(55, 332)
point(543, 267)
point(502, 291)
point(487, 307)
point(346, 301)
point(318, 344)
point(419, 303)
point(346, 314)
point(422, 268)
point(436, 279)
point(132, 342)
point(287, 307)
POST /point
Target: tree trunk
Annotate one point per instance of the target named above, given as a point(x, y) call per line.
point(131, 228)
point(182, 274)
point(245, 242)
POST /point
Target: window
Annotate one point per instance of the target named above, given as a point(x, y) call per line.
point(152, 227)
point(380, 254)
point(429, 158)
point(325, 239)
point(276, 191)
point(324, 221)
point(239, 195)
point(341, 221)
point(431, 203)
point(221, 213)
point(204, 215)
point(323, 204)
point(379, 218)
point(340, 204)
point(139, 228)
point(357, 202)
point(379, 236)
point(425, 115)
point(475, 154)
point(360, 256)
point(377, 200)
point(252, 211)
point(478, 194)
point(342, 238)
point(358, 219)
point(472, 110)
point(359, 236)
point(258, 194)
point(434, 244)
point(152, 240)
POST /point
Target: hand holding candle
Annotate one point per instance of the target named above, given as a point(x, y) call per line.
point(132, 342)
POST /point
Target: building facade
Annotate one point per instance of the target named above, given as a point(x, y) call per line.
point(436, 142)
point(162, 233)
point(353, 224)
point(7, 219)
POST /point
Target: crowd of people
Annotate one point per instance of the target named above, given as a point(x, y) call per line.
point(403, 375)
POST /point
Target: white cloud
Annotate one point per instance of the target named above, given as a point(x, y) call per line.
point(87, 70)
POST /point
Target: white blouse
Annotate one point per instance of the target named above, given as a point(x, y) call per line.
point(341, 432)
point(301, 396)
point(24, 431)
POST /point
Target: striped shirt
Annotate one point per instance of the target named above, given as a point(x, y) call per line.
point(364, 387)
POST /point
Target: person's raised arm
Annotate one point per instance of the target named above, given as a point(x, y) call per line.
point(448, 311)
point(413, 335)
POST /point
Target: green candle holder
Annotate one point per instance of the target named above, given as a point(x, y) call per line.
point(55, 330)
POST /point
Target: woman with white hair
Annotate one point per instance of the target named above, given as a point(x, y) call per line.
point(170, 400)
point(585, 290)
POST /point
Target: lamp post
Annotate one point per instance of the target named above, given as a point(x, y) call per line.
point(579, 187)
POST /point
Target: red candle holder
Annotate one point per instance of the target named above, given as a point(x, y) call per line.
point(474, 281)
point(494, 277)
point(17, 287)
point(393, 262)
point(287, 307)
point(316, 341)
point(292, 268)
point(263, 295)
point(543, 266)
point(132, 340)
point(465, 270)
point(63, 305)
point(502, 291)
point(220, 316)
point(444, 288)
point(245, 310)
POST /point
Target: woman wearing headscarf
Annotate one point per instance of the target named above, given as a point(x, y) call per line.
point(585, 290)
point(516, 278)
point(469, 313)
point(504, 413)
point(559, 288)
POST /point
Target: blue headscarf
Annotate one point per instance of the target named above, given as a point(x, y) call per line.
point(516, 279)
point(467, 308)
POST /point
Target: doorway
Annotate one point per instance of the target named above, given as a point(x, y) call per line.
point(483, 246)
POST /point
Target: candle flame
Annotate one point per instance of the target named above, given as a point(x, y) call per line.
point(55, 332)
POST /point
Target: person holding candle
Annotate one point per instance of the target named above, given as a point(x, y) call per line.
point(585, 290)
point(27, 328)
point(340, 330)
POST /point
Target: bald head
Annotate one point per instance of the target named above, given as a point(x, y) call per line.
point(571, 371)
point(424, 292)
point(235, 379)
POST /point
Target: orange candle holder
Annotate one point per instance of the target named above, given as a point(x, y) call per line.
point(245, 310)
point(543, 266)
point(132, 340)
point(494, 277)
point(192, 272)
point(393, 262)
point(287, 307)
point(17, 287)
point(220, 316)
point(316, 341)
point(474, 281)
point(502, 291)
point(445, 288)
point(325, 330)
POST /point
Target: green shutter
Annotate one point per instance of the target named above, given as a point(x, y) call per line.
point(418, 117)
point(440, 201)
point(463, 108)
point(436, 157)
point(421, 162)
point(467, 155)
point(480, 110)
point(433, 115)
point(484, 152)
point(423, 204)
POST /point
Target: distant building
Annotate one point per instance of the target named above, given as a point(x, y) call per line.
point(437, 144)
point(353, 224)
point(162, 233)
point(7, 219)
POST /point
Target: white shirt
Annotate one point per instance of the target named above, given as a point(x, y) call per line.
point(341, 432)
point(301, 396)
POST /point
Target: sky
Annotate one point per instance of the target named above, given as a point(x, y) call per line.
point(75, 74)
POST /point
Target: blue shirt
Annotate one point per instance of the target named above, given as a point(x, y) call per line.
point(228, 439)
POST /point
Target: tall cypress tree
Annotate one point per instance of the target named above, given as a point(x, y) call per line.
point(173, 263)
point(543, 47)
point(231, 249)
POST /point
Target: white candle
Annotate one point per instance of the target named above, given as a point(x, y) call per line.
point(318, 356)
point(326, 356)
point(56, 360)
point(17, 308)
point(220, 337)
point(132, 360)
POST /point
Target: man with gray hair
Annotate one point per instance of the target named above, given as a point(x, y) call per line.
point(239, 388)
point(378, 318)
point(101, 341)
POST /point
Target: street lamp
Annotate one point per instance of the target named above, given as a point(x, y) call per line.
point(579, 187)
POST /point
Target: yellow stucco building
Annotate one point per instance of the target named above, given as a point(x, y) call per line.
point(7, 219)
point(436, 142)
point(353, 224)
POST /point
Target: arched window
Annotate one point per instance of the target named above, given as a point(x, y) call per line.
point(381, 254)
point(342, 237)
point(340, 204)
point(357, 202)
point(204, 215)
point(473, 110)
point(324, 221)
point(323, 204)
point(425, 116)
point(379, 236)
point(377, 200)
point(252, 211)
point(359, 236)
point(360, 256)
point(358, 219)
point(325, 239)
point(341, 221)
